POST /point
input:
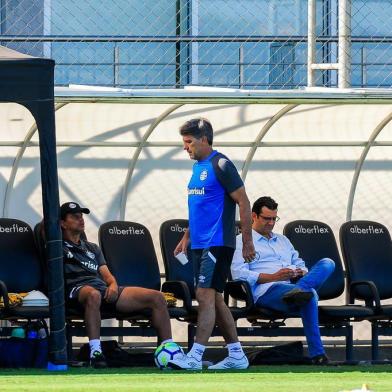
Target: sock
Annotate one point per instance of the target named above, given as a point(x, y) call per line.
point(235, 350)
point(167, 341)
point(95, 345)
point(197, 351)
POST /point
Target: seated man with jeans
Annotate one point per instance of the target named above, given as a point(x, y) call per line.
point(278, 277)
point(89, 282)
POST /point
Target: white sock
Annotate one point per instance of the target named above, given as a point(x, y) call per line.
point(197, 351)
point(95, 345)
point(167, 341)
point(235, 350)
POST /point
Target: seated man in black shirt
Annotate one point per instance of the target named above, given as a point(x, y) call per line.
point(89, 281)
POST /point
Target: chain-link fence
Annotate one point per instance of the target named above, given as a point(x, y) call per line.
point(254, 44)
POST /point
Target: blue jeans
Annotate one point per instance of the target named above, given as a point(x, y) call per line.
point(312, 281)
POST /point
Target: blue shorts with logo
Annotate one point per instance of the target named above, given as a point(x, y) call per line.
point(212, 266)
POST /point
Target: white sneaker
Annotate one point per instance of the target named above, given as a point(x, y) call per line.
point(185, 362)
point(231, 363)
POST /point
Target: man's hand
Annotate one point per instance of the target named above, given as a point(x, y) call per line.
point(248, 251)
point(281, 275)
point(182, 246)
point(284, 274)
point(111, 293)
point(299, 273)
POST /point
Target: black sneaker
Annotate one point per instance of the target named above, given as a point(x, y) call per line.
point(98, 360)
point(297, 296)
point(320, 360)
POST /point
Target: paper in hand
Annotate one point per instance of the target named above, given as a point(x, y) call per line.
point(181, 257)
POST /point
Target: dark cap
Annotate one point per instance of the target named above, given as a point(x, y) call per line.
point(72, 208)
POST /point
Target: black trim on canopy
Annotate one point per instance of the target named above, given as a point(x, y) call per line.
point(29, 81)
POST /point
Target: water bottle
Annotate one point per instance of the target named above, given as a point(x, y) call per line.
point(31, 332)
point(42, 333)
point(18, 332)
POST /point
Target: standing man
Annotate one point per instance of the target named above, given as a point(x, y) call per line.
point(213, 192)
point(90, 284)
point(279, 278)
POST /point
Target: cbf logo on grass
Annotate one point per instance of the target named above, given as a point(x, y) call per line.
point(15, 228)
point(128, 231)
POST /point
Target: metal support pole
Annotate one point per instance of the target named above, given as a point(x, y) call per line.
point(188, 31)
point(375, 335)
point(178, 44)
point(326, 31)
point(116, 67)
point(194, 45)
point(241, 67)
point(3, 17)
point(349, 343)
point(311, 41)
point(47, 27)
point(344, 51)
point(363, 67)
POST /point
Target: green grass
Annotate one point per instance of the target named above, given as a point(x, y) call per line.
point(255, 379)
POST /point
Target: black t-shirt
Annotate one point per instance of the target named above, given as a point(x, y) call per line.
point(81, 265)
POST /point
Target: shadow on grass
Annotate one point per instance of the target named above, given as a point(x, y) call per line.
point(387, 368)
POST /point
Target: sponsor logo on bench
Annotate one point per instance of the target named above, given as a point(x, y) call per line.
point(129, 231)
point(177, 228)
point(15, 228)
point(366, 230)
point(316, 229)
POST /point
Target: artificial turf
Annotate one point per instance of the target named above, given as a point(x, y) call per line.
point(255, 379)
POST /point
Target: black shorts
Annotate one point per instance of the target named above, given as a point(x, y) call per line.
point(212, 266)
point(73, 296)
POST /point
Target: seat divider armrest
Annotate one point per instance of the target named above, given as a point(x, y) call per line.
point(239, 290)
point(180, 290)
point(373, 288)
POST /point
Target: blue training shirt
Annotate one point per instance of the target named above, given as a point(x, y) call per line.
point(211, 209)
